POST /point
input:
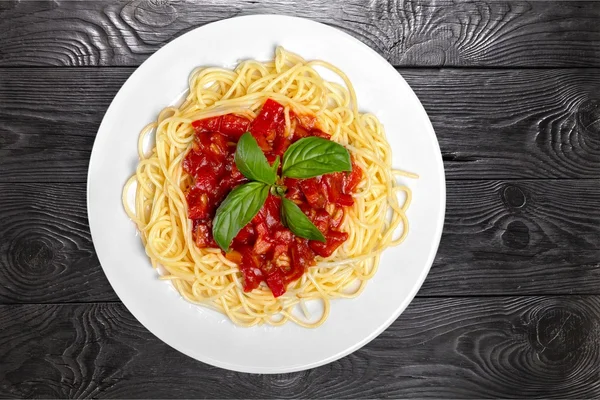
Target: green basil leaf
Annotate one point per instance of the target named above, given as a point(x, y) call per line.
point(251, 161)
point(237, 210)
point(314, 156)
point(275, 166)
point(297, 222)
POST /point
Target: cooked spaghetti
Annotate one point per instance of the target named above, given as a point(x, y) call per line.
point(206, 276)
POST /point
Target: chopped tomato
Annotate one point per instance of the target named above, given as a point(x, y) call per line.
point(334, 240)
point(250, 268)
point(275, 283)
point(203, 234)
point(207, 125)
point(333, 185)
point(234, 126)
point(344, 200)
point(269, 123)
point(313, 192)
point(351, 181)
point(265, 250)
point(245, 236)
point(280, 145)
point(197, 203)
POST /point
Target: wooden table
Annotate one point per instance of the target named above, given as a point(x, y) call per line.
point(511, 307)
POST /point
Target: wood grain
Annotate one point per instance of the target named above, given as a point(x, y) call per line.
point(519, 237)
point(405, 32)
point(500, 124)
point(46, 252)
point(506, 347)
point(500, 237)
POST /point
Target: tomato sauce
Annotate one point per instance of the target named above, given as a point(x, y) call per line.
point(265, 250)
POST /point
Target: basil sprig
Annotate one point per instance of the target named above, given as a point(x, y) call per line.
point(307, 158)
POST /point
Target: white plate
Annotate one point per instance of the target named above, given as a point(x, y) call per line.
point(207, 335)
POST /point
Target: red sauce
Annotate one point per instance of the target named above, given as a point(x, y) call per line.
point(264, 249)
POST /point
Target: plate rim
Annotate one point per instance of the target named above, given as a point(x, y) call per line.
point(415, 287)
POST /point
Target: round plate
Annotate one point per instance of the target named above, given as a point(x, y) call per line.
point(207, 335)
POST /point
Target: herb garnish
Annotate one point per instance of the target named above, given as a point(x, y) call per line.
point(307, 158)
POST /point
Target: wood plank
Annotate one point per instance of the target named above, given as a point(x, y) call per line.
point(46, 251)
point(500, 124)
point(408, 33)
point(467, 348)
point(500, 237)
point(519, 237)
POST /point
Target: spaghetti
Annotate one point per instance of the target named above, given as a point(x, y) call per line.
point(204, 275)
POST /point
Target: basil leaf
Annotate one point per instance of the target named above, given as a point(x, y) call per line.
point(314, 156)
point(237, 210)
point(297, 222)
point(275, 166)
point(251, 161)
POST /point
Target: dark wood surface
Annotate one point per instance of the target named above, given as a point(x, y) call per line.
point(511, 307)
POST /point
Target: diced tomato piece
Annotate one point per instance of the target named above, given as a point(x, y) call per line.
point(321, 221)
point(302, 257)
point(218, 145)
point(275, 283)
point(261, 228)
point(202, 234)
point(313, 192)
point(333, 185)
point(245, 236)
point(250, 269)
point(345, 200)
point(193, 162)
point(262, 245)
point(269, 213)
point(280, 145)
point(353, 179)
point(334, 240)
point(336, 218)
point(283, 235)
point(234, 126)
point(197, 200)
point(293, 189)
point(212, 124)
point(232, 175)
point(301, 132)
point(270, 121)
point(207, 181)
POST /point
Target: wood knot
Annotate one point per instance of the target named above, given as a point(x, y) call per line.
point(588, 117)
point(8, 138)
point(516, 235)
point(288, 381)
point(34, 255)
point(156, 13)
point(559, 330)
point(513, 196)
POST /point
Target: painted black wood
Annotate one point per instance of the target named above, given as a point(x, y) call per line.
point(502, 347)
point(491, 124)
point(406, 32)
point(511, 307)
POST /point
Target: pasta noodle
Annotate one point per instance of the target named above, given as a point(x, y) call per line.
point(204, 276)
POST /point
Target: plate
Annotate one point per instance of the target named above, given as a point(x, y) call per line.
point(205, 334)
